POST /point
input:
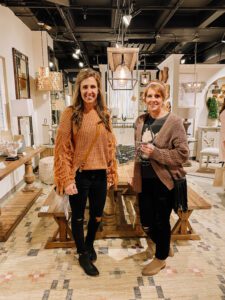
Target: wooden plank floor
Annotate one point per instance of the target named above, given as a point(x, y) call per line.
point(14, 210)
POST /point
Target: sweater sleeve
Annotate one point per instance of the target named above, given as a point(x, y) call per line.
point(179, 152)
point(64, 152)
point(112, 175)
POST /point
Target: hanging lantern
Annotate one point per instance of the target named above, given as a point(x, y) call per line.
point(122, 68)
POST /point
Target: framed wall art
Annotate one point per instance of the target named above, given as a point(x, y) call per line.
point(21, 74)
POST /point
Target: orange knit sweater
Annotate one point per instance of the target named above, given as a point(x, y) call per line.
point(71, 147)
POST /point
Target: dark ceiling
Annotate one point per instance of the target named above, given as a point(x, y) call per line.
point(158, 28)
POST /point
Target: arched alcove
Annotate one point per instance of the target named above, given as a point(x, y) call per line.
point(215, 95)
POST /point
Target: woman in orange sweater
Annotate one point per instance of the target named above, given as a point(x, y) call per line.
point(85, 162)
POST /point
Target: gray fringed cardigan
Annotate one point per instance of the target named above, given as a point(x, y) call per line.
point(171, 149)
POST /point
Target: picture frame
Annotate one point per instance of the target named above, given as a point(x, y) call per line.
point(26, 129)
point(145, 77)
point(21, 74)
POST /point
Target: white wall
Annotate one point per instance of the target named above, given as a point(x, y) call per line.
point(15, 34)
point(173, 63)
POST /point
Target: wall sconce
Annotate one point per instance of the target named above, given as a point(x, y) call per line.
point(122, 68)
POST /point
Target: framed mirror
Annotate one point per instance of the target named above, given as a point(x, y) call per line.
point(21, 75)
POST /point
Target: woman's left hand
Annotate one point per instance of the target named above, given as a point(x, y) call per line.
point(147, 149)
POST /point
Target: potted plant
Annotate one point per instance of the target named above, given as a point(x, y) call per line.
point(213, 111)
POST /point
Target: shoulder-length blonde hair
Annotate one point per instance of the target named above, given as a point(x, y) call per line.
point(157, 86)
point(78, 103)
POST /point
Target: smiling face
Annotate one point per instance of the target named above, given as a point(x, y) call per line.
point(154, 101)
point(89, 92)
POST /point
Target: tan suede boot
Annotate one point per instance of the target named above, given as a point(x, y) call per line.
point(153, 267)
point(150, 251)
point(152, 248)
point(171, 251)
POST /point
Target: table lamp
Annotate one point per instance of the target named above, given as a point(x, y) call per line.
point(187, 113)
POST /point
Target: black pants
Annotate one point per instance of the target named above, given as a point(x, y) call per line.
point(92, 185)
point(155, 204)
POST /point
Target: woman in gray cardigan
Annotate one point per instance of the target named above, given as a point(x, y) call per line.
point(161, 142)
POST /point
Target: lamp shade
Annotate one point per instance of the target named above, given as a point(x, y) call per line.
point(22, 107)
point(48, 80)
point(187, 112)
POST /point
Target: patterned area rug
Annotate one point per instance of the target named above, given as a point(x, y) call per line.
point(28, 271)
point(209, 172)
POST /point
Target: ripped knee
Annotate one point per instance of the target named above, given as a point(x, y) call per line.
point(145, 229)
point(79, 220)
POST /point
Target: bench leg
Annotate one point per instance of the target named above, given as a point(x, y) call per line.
point(183, 230)
point(62, 237)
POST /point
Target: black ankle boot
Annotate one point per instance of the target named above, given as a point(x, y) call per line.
point(92, 253)
point(87, 265)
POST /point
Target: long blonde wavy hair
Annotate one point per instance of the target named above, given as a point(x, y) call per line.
point(78, 103)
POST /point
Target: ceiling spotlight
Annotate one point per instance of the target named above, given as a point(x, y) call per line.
point(223, 38)
point(182, 61)
point(41, 24)
point(118, 45)
point(51, 65)
point(44, 26)
point(77, 51)
point(127, 19)
point(75, 55)
point(81, 64)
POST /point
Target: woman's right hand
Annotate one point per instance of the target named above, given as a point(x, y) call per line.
point(71, 189)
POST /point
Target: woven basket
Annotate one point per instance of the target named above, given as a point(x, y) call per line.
point(46, 170)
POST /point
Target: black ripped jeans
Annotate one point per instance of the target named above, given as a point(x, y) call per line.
point(91, 184)
point(155, 204)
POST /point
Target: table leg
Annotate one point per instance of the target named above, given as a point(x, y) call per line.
point(29, 177)
point(183, 230)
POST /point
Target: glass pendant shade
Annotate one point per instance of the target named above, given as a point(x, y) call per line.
point(123, 74)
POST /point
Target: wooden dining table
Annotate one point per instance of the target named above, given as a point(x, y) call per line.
point(15, 206)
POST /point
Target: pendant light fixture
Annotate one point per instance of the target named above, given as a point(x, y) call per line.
point(144, 76)
point(122, 67)
point(194, 86)
point(47, 80)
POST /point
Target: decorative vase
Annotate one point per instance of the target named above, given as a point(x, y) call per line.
point(212, 122)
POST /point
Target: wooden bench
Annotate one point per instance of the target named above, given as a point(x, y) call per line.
point(182, 230)
point(15, 208)
point(62, 238)
point(116, 224)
